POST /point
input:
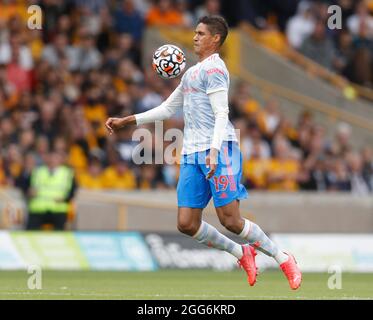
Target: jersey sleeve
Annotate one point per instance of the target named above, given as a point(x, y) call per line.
point(216, 78)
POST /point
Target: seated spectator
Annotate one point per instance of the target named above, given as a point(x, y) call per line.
point(182, 6)
point(313, 178)
point(254, 140)
point(150, 177)
point(319, 47)
point(341, 145)
point(149, 100)
point(90, 17)
point(14, 49)
point(48, 122)
point(11, 8)
point(243, 104)
point(359, 185)
point(269, 118)
point(88, 57)
point(286, 128)
point(338, 178)
point(13, 163)
point(18, 76)
point(95, 113)
point(127, 73)
point(367, 156)
point(255, 170)
point(347, 7)
point(209, 7)
point(119, 176)
point(359, 69)
point(344, 52)
point(8, 132)
point(60, 49)
point(129, 20)
point(272, 38)
point(27, 141)
point(125, 49)
point(23, 178)
point(35, 43)
point(283, 169)
point(361, 17)
point(163, 13)
point(125, 145)
point(77, 158)
point(8, 91)
point(300, 26)
point(93, 6)
point(92, 178)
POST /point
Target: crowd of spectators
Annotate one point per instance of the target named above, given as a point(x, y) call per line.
point(347, 51)
point(282, 156)
point(339, 40)
point(59, 84)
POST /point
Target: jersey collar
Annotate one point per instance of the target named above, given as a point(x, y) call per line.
point(214, 54)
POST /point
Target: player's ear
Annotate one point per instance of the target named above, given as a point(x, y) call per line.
point(216, 39)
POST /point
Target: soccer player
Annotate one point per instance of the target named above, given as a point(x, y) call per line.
point(211, 162)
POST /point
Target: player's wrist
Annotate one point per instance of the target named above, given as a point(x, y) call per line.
point(128, 120)
point(214, 152)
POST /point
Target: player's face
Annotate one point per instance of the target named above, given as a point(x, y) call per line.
point(204, 41)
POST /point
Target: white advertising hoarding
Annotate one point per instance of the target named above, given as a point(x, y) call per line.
point(319, 252)
point(10, 259)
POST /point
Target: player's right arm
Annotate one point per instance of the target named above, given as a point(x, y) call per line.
point(162, 112)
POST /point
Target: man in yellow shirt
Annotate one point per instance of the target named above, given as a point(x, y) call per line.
point(92, 178)
point(282, 174)
point(119, 176)
point(50, 188)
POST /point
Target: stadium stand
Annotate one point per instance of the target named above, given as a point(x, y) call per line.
point(59, 84)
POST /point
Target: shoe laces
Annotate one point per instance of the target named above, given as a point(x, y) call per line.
point(244, 262)
point(290, 267)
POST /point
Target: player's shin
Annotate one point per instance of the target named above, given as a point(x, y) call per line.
point(255, 236)
point(210, 236)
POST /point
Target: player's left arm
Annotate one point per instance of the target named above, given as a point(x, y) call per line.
point(219, 104)
point(217, 84)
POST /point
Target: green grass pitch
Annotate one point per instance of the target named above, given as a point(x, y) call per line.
point(179, 285)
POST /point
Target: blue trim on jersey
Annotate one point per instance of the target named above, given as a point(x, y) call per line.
point(195, 191)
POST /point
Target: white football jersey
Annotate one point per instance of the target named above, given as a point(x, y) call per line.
point(208, 76)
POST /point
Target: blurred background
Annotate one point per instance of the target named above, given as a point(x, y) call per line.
point(301, 95)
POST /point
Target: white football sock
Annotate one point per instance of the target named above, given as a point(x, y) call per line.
point(210, 236)
point(254, 234)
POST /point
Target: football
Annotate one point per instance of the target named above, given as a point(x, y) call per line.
point(169, 61)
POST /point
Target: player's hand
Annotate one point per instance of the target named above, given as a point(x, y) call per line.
point(113, 124)
point(211, 162)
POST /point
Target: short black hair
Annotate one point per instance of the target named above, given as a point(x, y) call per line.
point(216, 25)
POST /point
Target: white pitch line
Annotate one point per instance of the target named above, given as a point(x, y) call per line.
point(180, 296)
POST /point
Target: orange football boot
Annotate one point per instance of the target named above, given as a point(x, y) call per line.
point(247, 262)
point(292, 272)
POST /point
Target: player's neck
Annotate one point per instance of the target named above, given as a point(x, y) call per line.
point(206, 55)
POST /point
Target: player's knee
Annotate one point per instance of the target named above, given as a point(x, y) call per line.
point(187, 227)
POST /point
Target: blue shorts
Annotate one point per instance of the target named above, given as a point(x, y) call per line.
point(195, 191)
